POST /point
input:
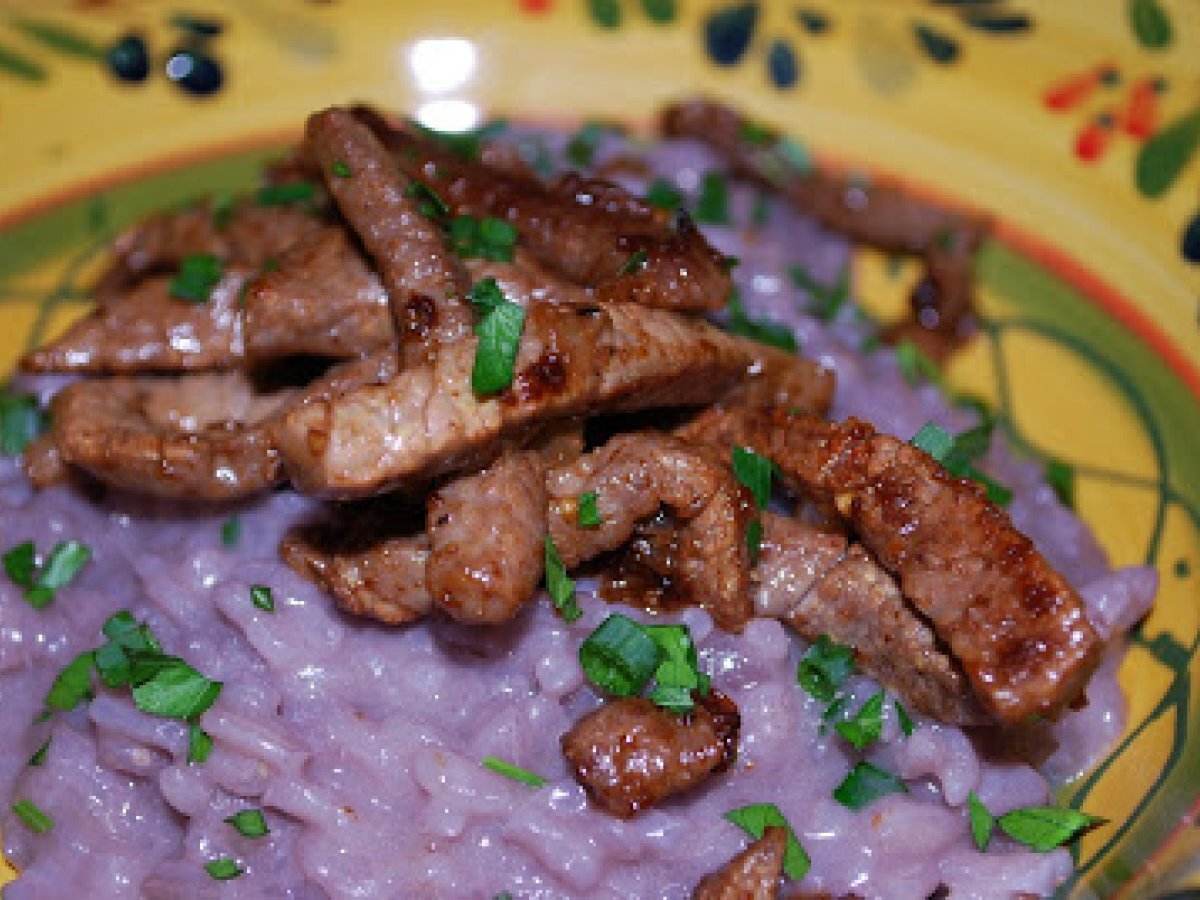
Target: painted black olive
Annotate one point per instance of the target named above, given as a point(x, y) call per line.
point(194, 71)
point(128, 59)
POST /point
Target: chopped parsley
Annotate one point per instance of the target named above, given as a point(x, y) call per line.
point(865, 726)
point(757, 818)
point(560, 586)
point(197, 276)
point(340, 169)
point(621, 657)
point(231, 531)
point(982, 821)
point(499, 329)
point(588, 510)
point(223, 869)
point(466, 144)
point(826, 300)
point(35, 820)
point(664, 195)
point(754, 472)
point(957, 454)
point(907, 725)
point(21, 420)
point(249, 823)
point(762, 330)
point(58, 571)
point(516, 773)
point(39, 755)
point(865, 784)
point(712, 205)
point(678, 674)
point(754, 535)
point(200, 744)
point(581, 148)
point(636, 261)
point(1061, 478)
point(431, 205)
point(281, 194)
point(73, 684)
point(825, 668)
point(1041, 828)
point(488, 238)
point(262, 597)
point(916, 365)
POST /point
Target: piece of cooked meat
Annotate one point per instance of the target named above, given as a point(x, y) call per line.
point(41, 463)
point(148, 330)
point(426, 283)
point(201, 436)
point(793, 556)
point(525, 281)
point(587, 229)
point(753, 874)
point(249, 236)
point(630, 754)
point(1014, 624)
point(784, 381)
point(372, 561)
point(487, 539)
point(573, 361)
point(323, 299)
point(880, 215)
point(633, 476)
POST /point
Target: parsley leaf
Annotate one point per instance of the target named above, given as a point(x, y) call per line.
point(21, 420)
point(20, 563)
point(754, 534)
point(865, 784)
point(431, 205)
point(958, 453)
point(866, 725)
point(33, 818)
point(59, 570)
point(581, 148)
point(499, 330)
point(679, 672)
point(176, 691)
point(231, 531)
point(249, 823)
point(560, 586)
point(516, 773)
point(713, 203)
point(824, 668)
point(916, 365)
point(489, 238)
point(982, 821)
point(907, 725)
point(1044, 828)
point(341, 169)
point(223, 869)
point(664, 195)
point(40, 754)
point(262, 597)
point(198, 275)
point(764, 331)
point(588, 510)
point(200, 744)
point(73, 684)
point(826, 301)
point(757, 818)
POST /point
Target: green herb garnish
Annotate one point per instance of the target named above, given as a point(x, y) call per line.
point(917, 366)
point(231, 531)
point(865, 784)
point(516, 773)
point(762, 330)
point(499, 329)
point(1045, 828)
point(982, 821)
point(664, 195)
point(866, 725)
point(754, 471)
point(713, 203)
point(431, 205)
point(824, 668)
point(35, 820)
point(466, 144)
point(21, 420)
point(39, 755)
point(58, 571)
point(249, 823)
point(619, 656)
point(826, 300)
point(198, 275)
point(588, 510)
point(262, 597)
point(340, 169)
point(223, 869)
point(957, 454)
point(678, 674)
point(754, 535)
point(73, 684)
point(1061, 478)
point(280, 194)
point(757, 818)
point(559, 585)
point(200, 744)
point(175, 691)
point(757, 135)
point(907, 725)
point(488, 238)
point(581, 148)
point(636, 261)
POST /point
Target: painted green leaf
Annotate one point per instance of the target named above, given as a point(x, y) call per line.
point(605, 13)
point(59, 38)
point(13, 63)
point(998, 23)
point(1150, 24)
point(1163, 157)
point(938, 46)
point(661, 11)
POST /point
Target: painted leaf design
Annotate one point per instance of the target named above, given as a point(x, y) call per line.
point(782, 64)
point(13, 63)
point(884, 55)
point(1150, 24)
point(605, 13)
point(998, 23)
point(59, 38)
point(938, 46)
point(661, 11)
point(728, 32)
point(1163, 157)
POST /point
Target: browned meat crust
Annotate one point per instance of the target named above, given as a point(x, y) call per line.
point(41, 463)
point(630, 754)
point(426, 421)
point(879, 215)
point(587, 229)
point(425, 281)
point(148, 330)
point(368, 559)
point(193, 437)
point(324, 299)
point(633, 475)
point(525, 281)
point(753, 874)
point(486, 536)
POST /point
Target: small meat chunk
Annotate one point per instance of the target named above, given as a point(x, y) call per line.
point(323, 299)
point(487, 535)
point(425, 281)
point(148, 330)
point(630, 754)
point(753, 874)
point(633, 475)
point(370, 560)
point(197, 437)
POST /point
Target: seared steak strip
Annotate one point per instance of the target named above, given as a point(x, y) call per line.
point(633, 475)
point(879, 215)
point(587, 229)
point(630, 754)
point(424, 280)
point(753, 874)
point(195, 436)
point(487, 538)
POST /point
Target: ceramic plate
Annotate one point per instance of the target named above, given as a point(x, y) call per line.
point(1076, 123)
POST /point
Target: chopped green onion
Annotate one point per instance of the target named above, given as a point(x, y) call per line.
point(754, 535)
point(1044, 828)
point(231, 531)
point(466, 144)
point(865, 784)
point(824, 668)
point(664, 195)
point(757, 818)
point(59, 570)
point(834, 712)
point(916, 365)
point(431, 205)
point(581, 149)
point(516, 773)
point(1061, 478)
point(499, 330)
point(176, 691)
point(35, 820)
point(280, 194)
point(635, 262)
point(489, 238)
point(21, 420)
point(827, 301)
point(982, 821)
point(340, 169)
point(762, 330)
point(678, 674)
point(907, 725)
point(713, 203)
point(619, 656)
point(866, 725)
point(588, 510)
point(957, 456)
point(198, 275)
point(760, 215)
point(39, 755)
point(559, 584)
point(20, 563)
point(73, 684)
point(754, 471)
point(249, 823)
point(200, 744)
point(262, 597)
point(223, 869)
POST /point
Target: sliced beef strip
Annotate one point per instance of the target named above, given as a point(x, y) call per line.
point(793, 557)
point(588, 230)
point(196, 437)
point(525, 281)
point(879, 215)
point(372, 560)
point(630, 754)
point(148, 330)
point(1014, 624)
point(753, 874)
point(324, 299)
point(573, 361)
point(487, 539)
point(633, 475)
point(425, 281)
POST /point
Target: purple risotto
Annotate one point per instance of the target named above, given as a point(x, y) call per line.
point(515, 515)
